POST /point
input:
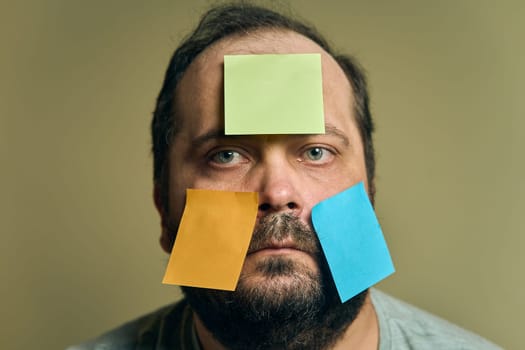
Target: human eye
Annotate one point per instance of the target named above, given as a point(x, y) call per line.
point(317, 155)
point(226, 158)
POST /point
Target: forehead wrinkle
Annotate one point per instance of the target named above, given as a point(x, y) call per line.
point(218, 133)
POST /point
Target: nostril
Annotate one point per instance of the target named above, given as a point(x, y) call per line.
point(264, 207)
point(267, 207)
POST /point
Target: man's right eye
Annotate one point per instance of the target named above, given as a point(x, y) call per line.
point(226, 157)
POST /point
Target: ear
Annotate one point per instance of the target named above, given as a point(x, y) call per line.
point(167, 237)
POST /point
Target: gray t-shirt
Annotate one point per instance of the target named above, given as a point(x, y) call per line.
point(401, 326)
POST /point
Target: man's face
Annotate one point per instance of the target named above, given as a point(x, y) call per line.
point(291, 173)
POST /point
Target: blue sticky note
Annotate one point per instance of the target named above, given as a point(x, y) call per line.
point(352, 241)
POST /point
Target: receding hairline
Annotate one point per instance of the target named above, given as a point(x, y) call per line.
point(270, 34)
point(276, 34)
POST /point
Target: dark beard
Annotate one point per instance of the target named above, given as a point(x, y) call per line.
point(294, 308)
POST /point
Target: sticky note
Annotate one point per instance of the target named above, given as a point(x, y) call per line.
point(352, 241)
point(212, 240)
point(273, 94)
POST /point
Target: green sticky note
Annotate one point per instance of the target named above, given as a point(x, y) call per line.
point(273, 94)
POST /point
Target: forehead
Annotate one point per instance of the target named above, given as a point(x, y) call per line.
point(202, 82)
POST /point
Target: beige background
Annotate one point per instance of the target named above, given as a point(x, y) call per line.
point(79, 251)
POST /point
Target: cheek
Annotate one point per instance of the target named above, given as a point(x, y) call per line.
point(223, 184)
point(227, 180)
point(178, 187)
point(329, 183)
point(180, 179)
point(177, 198)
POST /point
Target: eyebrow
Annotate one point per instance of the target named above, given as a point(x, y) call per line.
point(216, 134)
point(334, 131)
point(213, 134)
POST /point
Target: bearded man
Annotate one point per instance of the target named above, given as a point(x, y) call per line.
point(285, 297)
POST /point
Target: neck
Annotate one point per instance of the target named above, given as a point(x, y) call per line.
point(362, 333)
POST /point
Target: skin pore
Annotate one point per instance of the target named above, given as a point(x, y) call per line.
point(291, 173)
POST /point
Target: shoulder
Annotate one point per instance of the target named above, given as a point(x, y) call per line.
point(143, 332)
point(403, 326)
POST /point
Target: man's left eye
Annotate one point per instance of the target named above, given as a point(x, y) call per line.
point(317, 154)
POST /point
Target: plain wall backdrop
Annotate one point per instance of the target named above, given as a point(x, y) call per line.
point(79, 249)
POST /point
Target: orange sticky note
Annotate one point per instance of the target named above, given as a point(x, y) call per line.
point(213, 239)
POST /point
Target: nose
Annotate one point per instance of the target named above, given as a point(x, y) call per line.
point(278, 191)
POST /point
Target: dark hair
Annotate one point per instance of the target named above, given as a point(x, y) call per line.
point(226, 20)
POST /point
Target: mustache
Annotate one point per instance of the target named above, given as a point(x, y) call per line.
point(286, 230)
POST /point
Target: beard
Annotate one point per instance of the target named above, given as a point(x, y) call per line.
point(284, 304)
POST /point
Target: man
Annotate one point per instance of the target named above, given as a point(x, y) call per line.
point(285, 297)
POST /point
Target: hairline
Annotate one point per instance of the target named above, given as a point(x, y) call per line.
point(177, 120)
